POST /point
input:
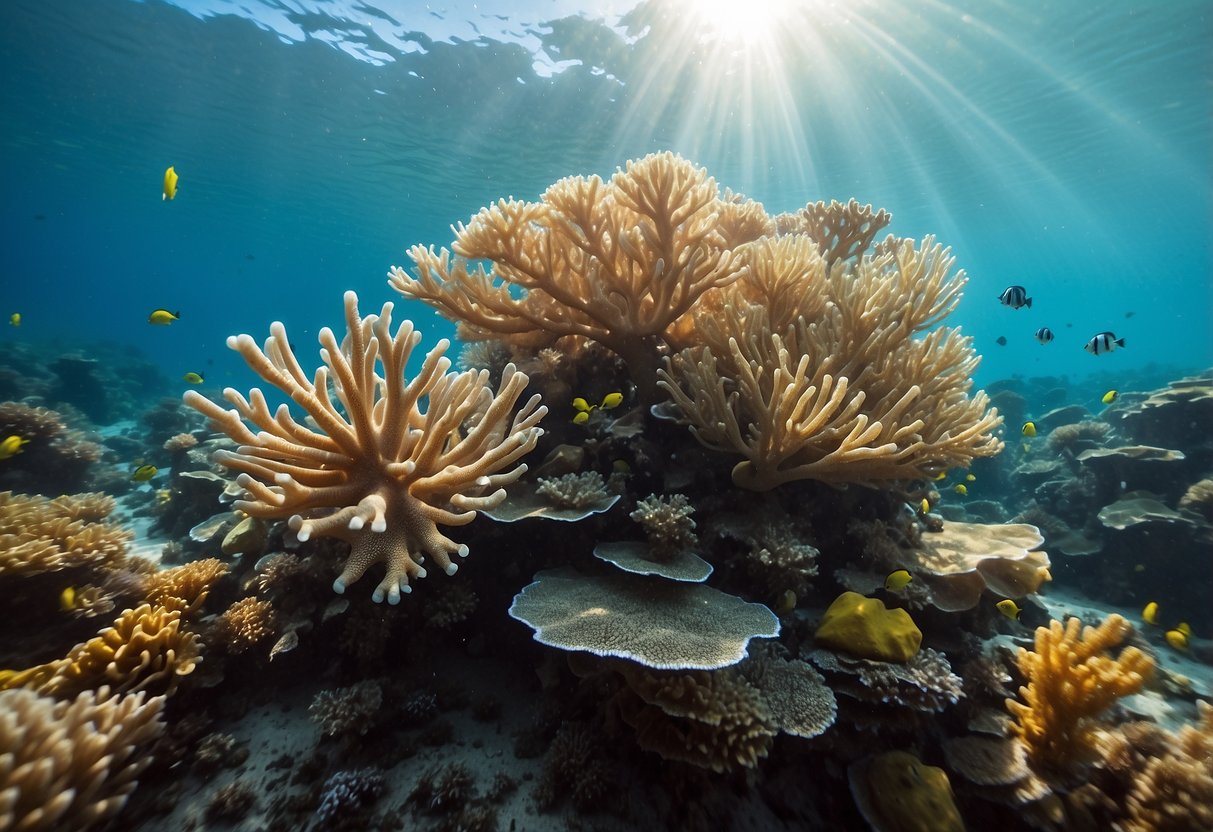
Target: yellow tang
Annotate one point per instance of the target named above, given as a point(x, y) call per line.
point(67, 599)
point(960, 489)
point(170, 183)
point(787, 602)
point(1109, 396)
point(942, 475)
point(162, 317)
point(1028, 429)
point(582, 405)
point(581, 418)
point(620, 466)
point(1177, 639)
point(1150, 613)
point(897, 580)
point(11, 446)
point(194, 378)
point(611, 401)
point(1009, 609)
point(144, 473)
point(926, 506)
point(14, 319)
point(971, 478)
point(1184, 628)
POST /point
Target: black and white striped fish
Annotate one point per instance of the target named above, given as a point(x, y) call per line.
point(1103, 342)
point(1015, 297)
point(1044, 335)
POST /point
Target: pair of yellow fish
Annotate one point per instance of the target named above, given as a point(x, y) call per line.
point(901, 578)
point(609, 402)
point(1178, 637)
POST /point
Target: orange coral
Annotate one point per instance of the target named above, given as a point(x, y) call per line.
point(185, 587)
point(245, 623)
point(1071, 682)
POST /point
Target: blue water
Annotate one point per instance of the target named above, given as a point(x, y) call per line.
point(1062, 146)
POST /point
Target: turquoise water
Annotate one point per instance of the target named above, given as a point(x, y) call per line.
point(1057, 146)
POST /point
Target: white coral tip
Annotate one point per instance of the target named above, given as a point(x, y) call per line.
point(452, 568)
point(483, 482)
point(463, 550)
point(379, 526)
point(421, 573)
point(356, 523)
point(339, 586)
point(283, 479)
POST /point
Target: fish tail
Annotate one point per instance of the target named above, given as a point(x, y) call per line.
point(1028, 302)
point(1120, 342)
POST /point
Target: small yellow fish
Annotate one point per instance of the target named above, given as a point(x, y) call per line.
point(162, 317)
point(926, 506)
point(581, 418)
point(194, 378)
point(164, 496)
point(898, 580)
point(787, 602)
point(67, 599)
point(611, 401)
point(1009, 609)
point(942, 475)
point(971, 478)
point(11, 446)
point(1028, 429)
point(960, 489)
point(1150, 613)
point(1110, 396)
point(1177, 639)
point(1141, 567)
point(14, 319)
point(170, 184)
point(144, 473)
point(582, 405)
point(1184, 628)
point(620, 466)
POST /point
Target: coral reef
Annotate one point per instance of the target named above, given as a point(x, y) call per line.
point(245, 623)
point(54, 459)
point(667, 523)
point(347, 793)
point(72, 764)
point(391, 472)
point(347, 710)
point(896, 792)
point(43, 535)
point(1070, 682)
point(184, 587)
point(579, 491)
point(924, 683)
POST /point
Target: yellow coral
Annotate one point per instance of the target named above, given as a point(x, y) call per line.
point(184, 587)
point(42, 535)
point(863, 627)
point(1070, 682)
point(374, 469)
point(144, 649)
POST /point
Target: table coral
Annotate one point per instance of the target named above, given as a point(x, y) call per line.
point(1071, 681)
point(375, 470)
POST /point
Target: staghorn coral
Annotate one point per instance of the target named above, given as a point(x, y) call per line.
point(615, 262)
point(377, 472)
point(347, 710)
point(834, 374)
point(184, 587)
point(1070, 682)
point(244, 624)
point(667, 523)
point(72, 765)
point(42, 535)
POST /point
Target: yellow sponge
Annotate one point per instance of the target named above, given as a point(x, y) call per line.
point(863, 627)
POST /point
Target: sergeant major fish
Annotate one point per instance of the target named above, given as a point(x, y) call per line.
point(1044, 335)
point(1015, 297)
point(1104, 342)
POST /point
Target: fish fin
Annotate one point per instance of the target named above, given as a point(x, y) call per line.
point(1120, 342)
point(1028, 302)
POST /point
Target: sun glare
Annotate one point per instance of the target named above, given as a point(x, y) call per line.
point(740, 21)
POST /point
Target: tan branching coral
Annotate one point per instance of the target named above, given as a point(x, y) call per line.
point(144, 649)
point(1174, 791)
point(347, 710)
point(854, 388)
point(614, 262)
point(184, 587)
point(376, 470)
point(842, 231)
point(42, 535)
point(1070, 683)
point(667, 523)
point(244, 624)
point(71, 765)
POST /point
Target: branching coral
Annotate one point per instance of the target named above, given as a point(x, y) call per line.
point(41, 535)
point(1071, 682)
point(245, 623)
point(377, 472)
point(615, 262)
point(71, 765)
point(347, 710)
point(185, 587)
point(835, 376)
point(1174, 791)
point(667, 523)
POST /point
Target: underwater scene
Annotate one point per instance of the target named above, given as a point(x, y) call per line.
point(544, 415)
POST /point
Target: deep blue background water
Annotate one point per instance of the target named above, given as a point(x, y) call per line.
point(1064, 146)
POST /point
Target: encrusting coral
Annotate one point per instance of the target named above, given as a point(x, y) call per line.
point(71, 764)
point(864, 627)
point(1070, 683)
point(379, 472)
